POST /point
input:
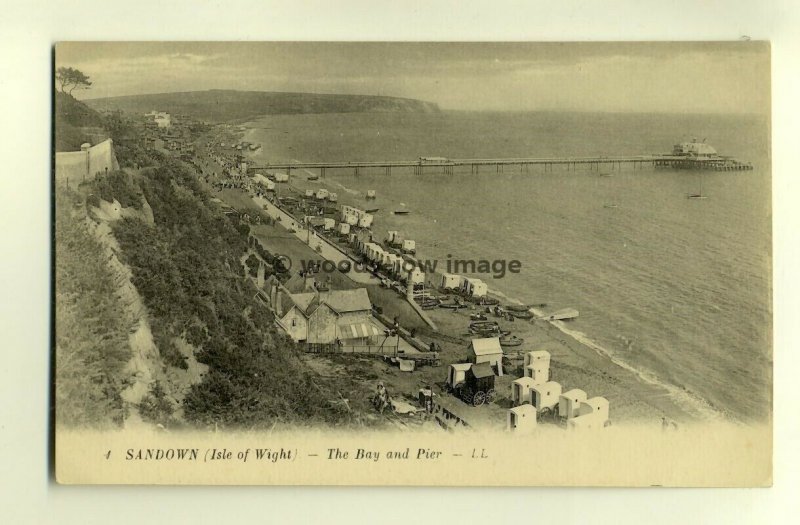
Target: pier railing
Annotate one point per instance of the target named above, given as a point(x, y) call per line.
point(448, 166)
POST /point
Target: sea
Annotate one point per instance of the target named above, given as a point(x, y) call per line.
point(676, 290)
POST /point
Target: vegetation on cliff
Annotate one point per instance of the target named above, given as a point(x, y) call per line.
point(91, 326)
point(223, 105)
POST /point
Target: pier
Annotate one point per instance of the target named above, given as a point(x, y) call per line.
point(523, 165)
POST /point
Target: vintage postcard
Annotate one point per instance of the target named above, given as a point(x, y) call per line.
point(476, 264)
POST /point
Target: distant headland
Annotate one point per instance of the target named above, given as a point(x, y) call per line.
point(218, 105)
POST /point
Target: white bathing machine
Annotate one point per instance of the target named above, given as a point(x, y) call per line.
point(365, 220)
point(521, 419)
point(521, 391)
point(570, 402)
point(343, 228)
point(474, 287)
point(537, 357)
point(545, 396)
point(451, 281)
point(593, 414)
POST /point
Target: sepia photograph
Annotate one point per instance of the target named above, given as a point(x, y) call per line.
point(412, 263)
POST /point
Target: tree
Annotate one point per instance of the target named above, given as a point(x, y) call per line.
point(70, 79)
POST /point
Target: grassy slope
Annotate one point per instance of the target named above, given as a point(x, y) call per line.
point(225, 105)
point(91, 328)
point(75, 123)
point(186, 268)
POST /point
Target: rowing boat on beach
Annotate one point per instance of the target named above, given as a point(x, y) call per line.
point(511, 340)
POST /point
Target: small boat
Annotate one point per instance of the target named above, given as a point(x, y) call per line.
point(452, 306)
point(401, 212)
point(487, 301)
point(610, 206)
point(561, 315)
point(484, 325)
point(313, 177)
point(521, 315)
point(511, 340)
point(699, 195)
point(373, 210)
point(518, 307)
point(478, 317)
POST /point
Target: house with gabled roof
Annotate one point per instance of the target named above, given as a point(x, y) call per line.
point(326, 317)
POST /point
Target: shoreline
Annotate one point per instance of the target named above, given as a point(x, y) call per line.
point(672, 401)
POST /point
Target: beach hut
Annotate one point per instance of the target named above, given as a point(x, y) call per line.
point(487, 350)
point(328, 224)
point(596, 406)
point(281, 177)
point(521, 419)
point(332, 197)
point(392, 237)
point(539, 372)
point(451, 281)
point(593, 414)
point(569, 403)
point(343, 228)
point(475, 287)
point(370, 194)
point(365, 220)
point(409, 246)
point(322, 194)
point(521, 391)
point(537, 357)
point(545, 396)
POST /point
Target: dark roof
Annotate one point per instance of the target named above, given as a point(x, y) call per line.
point(482, 370)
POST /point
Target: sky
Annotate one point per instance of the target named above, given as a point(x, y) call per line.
point(673, 77)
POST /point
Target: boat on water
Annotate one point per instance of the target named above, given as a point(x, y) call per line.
point(699, 194)
point(610, 205)
point(373, 210)
point(401, 212)
point(511, 340)
point(313, 177)
point(561, 315)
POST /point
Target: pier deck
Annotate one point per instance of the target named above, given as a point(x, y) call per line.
point(447, 165)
